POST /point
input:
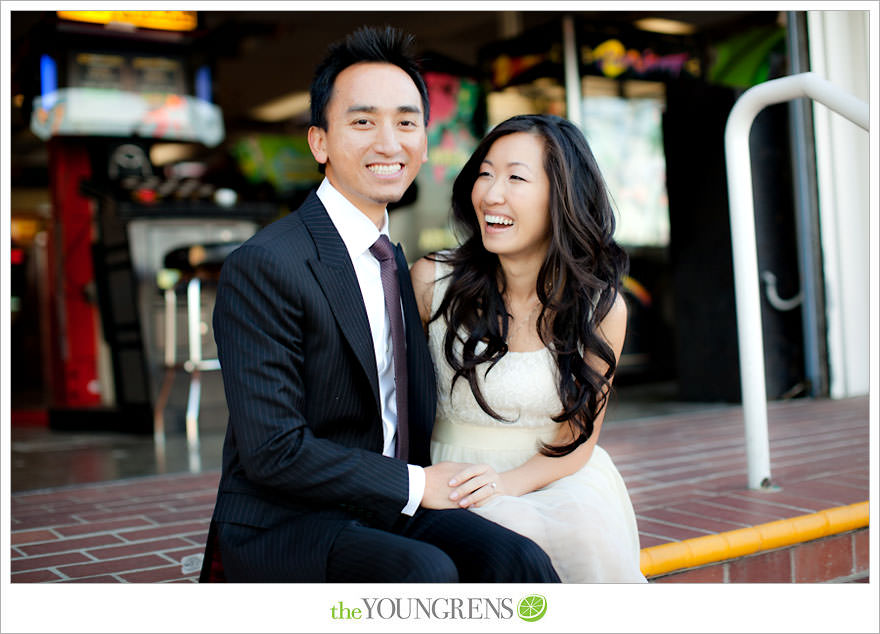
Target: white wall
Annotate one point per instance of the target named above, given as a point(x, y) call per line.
point(839, 52)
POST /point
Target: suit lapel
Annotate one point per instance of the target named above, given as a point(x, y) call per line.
point(410, 309)
point(420, 369)
point(335, 274)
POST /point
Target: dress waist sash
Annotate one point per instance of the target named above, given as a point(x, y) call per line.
point(493, 438)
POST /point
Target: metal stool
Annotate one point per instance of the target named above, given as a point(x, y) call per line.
point(187, 268)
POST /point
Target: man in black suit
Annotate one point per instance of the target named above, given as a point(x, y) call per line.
point(322, 479)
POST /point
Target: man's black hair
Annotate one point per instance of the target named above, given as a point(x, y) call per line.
point(366, 44)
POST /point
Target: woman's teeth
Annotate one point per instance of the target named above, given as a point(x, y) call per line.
point(498, 220)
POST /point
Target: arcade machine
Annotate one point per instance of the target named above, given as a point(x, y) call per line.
point(109, 98)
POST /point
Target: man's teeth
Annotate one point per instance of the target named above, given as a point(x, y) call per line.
point(498, 220)
point(384, 169)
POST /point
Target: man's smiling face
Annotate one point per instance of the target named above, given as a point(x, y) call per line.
point(375, 141)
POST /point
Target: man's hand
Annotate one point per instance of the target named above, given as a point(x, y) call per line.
point(437, 488)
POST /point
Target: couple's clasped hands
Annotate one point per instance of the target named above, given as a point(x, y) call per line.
point(450, 485)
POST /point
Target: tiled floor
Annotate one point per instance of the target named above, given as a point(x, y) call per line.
point(686, 473)
point(44, 458)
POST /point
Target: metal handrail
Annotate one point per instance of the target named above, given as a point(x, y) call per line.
point(745, 252)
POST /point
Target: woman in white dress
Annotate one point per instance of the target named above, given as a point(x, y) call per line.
point(525, 324)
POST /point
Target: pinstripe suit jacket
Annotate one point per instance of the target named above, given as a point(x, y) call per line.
point(304, 440)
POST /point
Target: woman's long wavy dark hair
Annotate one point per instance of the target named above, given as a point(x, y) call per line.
point(577, 284)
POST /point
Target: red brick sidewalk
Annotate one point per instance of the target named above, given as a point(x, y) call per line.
point(686, 475)
point(143, 530)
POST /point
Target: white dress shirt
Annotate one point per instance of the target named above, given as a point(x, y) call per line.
point(359, 233)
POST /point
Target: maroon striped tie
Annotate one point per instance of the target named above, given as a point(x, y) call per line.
point(384, 252)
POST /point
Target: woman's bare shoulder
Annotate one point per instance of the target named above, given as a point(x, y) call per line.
point(613, 326)
point(422, 273)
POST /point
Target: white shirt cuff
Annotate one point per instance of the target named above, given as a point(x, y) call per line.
point(416, 489)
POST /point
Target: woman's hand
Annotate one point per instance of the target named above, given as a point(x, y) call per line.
point(475, 485)
point(437, 488)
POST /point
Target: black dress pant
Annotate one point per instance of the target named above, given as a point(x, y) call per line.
point(439, 546)
point(445, 546)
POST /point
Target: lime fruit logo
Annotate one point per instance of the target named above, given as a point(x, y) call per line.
point(532, 608)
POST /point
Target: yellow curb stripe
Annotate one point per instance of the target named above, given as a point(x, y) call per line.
point(699, 551)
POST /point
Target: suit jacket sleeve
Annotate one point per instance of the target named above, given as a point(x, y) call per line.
point(263, 302)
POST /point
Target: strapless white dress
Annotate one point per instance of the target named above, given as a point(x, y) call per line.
point(584, 522)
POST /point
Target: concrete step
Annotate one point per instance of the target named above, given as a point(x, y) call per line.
point(837, 558)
